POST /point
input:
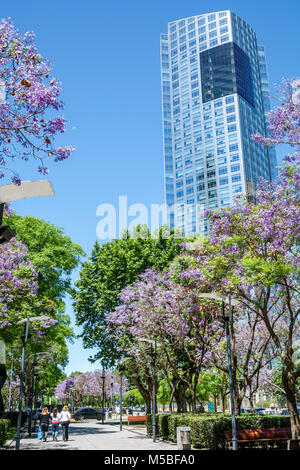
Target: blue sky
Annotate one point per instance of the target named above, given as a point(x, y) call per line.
point(106, 54)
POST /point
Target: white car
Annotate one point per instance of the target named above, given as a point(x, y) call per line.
point(271, 412)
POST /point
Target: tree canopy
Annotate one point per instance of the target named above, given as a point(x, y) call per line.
point(110, 268)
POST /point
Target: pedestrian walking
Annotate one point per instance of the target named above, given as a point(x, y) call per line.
point(65, 418)
point(55, 417)
point(44, 423)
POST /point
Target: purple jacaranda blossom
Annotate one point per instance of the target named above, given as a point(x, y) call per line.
point(29, 96)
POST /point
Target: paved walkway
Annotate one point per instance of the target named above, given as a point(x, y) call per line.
point(93, 435)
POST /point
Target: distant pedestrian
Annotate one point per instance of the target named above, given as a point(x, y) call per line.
point(55, 417)
point(65, 418)
point(44, 423)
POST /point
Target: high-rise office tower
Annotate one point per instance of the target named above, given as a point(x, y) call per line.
point(215, 95)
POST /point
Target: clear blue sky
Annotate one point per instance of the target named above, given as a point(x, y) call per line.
point(106, 55)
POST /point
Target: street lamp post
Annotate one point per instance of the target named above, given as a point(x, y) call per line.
point(10, 379)
point(154, 345)
point(228, 322)
point(120, 367)
point(25, 338)
point(32, 388)
point(227, 319)
point(103, 385)
point(31, 394)
point(111, 391)
point(154, 389)
point(121, 399)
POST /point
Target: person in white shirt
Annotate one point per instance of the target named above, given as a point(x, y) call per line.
point(55, 418)
point(64, 421)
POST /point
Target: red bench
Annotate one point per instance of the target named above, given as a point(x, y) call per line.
point(136, 419)
point(259, 435)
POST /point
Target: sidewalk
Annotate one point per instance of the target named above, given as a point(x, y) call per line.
point(94, 435)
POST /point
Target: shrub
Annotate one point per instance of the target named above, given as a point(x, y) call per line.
point(13, 417)
point(4, 425)
point(207, 429)
point(163, 425)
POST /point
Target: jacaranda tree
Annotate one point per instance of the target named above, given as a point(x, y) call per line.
point(29, 104)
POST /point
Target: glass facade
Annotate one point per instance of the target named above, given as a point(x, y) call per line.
point(225, 70)
point(214, 97)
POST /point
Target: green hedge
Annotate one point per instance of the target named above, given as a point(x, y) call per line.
point(207, 429)
point(4, 425)
point(13, 417)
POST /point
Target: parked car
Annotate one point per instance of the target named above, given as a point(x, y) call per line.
point(259, 411)
point(86, 413)
point(200, 409)
point(285, 412)
point(270, 412)
point(139, 408)
point(36, 413)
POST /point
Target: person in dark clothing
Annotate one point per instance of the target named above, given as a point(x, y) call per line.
point(44, 423)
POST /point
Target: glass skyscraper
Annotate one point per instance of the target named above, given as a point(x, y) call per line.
point(215, 95)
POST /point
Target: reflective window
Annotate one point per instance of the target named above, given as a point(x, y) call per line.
point(237, 188)
point(230, 109)
point(229, 99)
point(224, 30)
point(235, 178)
point(223, 181)
point(225, 70)
point(224, 38)
point(222, 22)
point(235, 168)
point(233, 147)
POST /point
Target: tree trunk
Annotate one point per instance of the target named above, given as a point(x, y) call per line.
point(289, 385)
point(237, 399)
point(215, 403)
point(179, 397)
point(251, 403)
point(223, 403)
point(3, 376)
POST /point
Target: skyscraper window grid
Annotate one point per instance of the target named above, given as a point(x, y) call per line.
point(201, 136)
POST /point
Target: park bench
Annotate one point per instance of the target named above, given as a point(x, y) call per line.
point(136, 419)
point(258, 435)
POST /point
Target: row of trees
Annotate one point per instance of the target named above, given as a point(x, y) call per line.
point(35, 270)
point(35, 267)
point(125, 296)
point(82, 389)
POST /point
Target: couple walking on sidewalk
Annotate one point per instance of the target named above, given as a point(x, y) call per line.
point(56, 419)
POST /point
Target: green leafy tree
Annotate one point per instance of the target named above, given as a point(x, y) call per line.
point(110, 268)
point(54, 256)
point(52, 253)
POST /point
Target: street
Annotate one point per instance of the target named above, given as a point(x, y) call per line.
point(94, 435)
